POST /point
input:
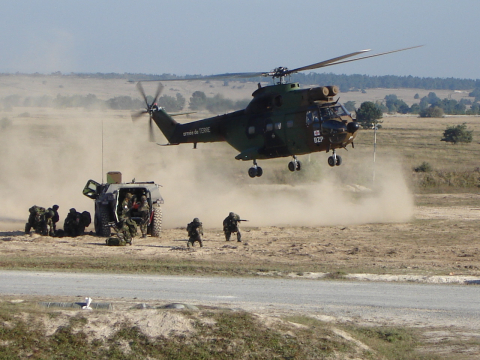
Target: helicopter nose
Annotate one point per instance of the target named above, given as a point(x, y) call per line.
point(333, 126)
point(353, 126)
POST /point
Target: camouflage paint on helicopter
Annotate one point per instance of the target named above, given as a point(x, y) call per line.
point(281, 120)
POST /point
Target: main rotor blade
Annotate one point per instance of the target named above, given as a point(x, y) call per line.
point(138, 115)
point(217, 76)
point(157, 94)
point(370, 56)
point(327, 62)
point(140, 88)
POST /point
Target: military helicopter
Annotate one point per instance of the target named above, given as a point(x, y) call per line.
point(281, 120)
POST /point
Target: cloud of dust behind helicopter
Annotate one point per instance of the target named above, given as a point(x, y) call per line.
point(47, 158)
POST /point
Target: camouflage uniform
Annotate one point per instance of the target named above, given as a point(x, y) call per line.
point(144, 211)
point(35, 220)
point(71, 225)
point(230, 225)
point(48, 225)
point(75, 222)
point(195, 232)
point(127, 228)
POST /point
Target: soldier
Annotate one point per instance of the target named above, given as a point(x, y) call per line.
point(48, 223)
point(35, 219)
point(71, 225)
point(230, 225)
point(144, 211)
point(126, 224)
point(55, 217)
point(195, 232)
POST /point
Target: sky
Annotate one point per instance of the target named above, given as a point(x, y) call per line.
point(218, 36)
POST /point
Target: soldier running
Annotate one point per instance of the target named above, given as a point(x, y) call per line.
point(195, 232)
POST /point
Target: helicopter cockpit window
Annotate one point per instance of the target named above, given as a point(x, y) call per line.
point(251, 130)
point(340, 110)
point(312, 116)
point(269, 127)
point(278, 126)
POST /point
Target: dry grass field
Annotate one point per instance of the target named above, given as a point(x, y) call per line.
point(358, 218)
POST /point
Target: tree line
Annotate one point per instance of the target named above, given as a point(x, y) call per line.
point(198, 101)
point(354, 82)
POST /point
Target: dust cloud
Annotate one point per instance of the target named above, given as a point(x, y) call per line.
point(47, 158)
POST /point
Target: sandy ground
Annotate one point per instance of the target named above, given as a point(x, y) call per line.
point(439, 244)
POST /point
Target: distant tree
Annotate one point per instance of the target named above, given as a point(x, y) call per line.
point(368, 114)
point(424, 103)
point(458, 133)
point(198, 101)
point(433, 99)
point(171, 103)
point(125, 103)
point(432, 111)
point(475, 93)
point(474, 109)
point(415, 109)
point(416, 97)
point(350, 105)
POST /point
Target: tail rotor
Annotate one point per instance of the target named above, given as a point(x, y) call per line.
point(149, 108)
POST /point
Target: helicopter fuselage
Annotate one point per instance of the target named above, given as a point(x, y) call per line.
point(281, 120)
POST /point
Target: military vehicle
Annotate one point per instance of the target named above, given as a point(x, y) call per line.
point(281, 120)
point(108, 197)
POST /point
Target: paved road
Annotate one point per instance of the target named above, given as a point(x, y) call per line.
point(400, 303)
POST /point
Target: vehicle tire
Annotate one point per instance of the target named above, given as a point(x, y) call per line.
point(339, 160)
point(252, 172)
point(156, 225)
point(259, 171)
point(102, 219)
point(291, 166)
point(331, 161)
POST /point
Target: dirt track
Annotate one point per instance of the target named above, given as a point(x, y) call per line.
point(440, 240)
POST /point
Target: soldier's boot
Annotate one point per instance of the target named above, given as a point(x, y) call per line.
point(144, 236)
point(27, 228)
point(239, 237)
point(189, 243)
point(200, 242)
point(227, 236)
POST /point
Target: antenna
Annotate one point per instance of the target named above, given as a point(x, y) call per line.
point(374, 146)
point(102, 150)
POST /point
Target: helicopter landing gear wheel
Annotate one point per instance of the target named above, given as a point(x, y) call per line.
point(294, 165)
point(339, 160)
point(331, 161)
point(255, 171)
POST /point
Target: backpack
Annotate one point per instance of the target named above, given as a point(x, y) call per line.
point(115, 241)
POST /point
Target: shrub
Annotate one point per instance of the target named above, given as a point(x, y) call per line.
point(458, 133)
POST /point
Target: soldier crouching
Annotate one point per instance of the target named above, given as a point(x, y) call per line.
point(230, 225)
point(195, 232)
